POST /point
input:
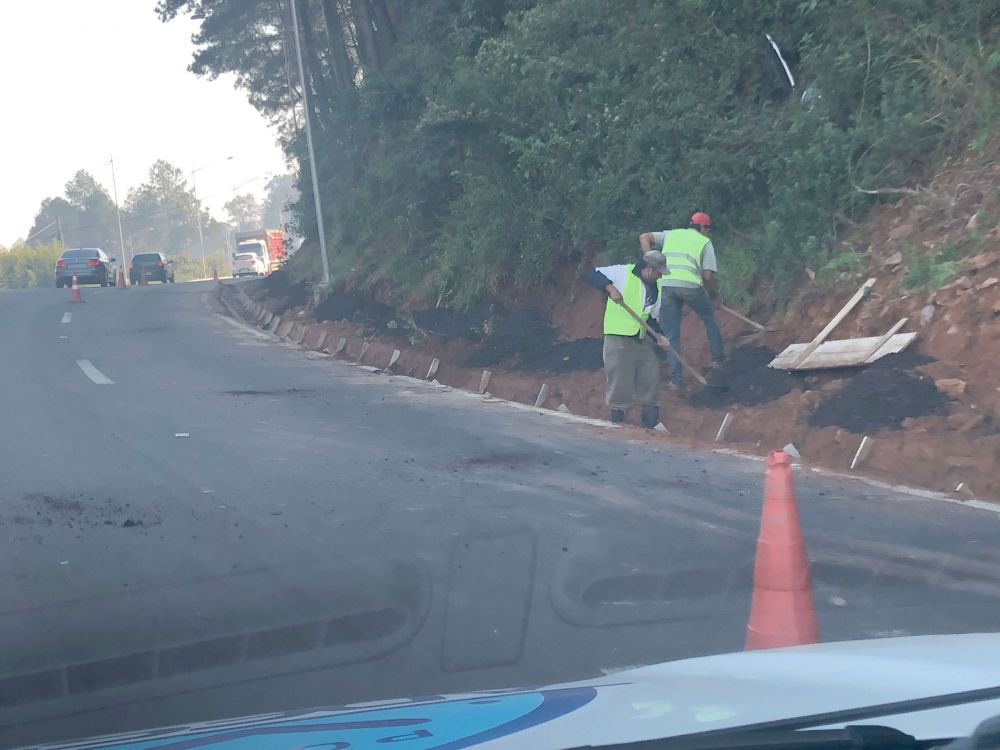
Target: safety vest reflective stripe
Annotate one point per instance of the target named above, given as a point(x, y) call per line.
point(682, 248)
point(617, 321)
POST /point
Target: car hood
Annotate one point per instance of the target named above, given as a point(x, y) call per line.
point(665, 700)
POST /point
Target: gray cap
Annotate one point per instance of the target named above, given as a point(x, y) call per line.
point(656, 260)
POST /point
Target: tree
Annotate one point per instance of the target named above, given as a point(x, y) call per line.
point(162, 213)
point(281, 194)
point(244, 212)
point(29, 265)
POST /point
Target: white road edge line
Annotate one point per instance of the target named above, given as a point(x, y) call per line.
point(93, 373)
point(67, 317)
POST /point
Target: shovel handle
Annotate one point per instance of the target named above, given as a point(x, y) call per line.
point(664, 343)
point(744, 318)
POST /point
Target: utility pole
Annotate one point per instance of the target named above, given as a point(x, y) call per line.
point(197, 211)
point(62, 242)
point(121, 234)
point(312, 153)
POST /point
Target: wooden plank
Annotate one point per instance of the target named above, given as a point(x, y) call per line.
point(881, 342)
point(821, 336)
point(842, 353)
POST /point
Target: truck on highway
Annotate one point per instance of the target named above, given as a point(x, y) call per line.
point(266, 244)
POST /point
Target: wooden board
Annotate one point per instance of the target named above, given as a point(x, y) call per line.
point(813, 345)
point(841, 353)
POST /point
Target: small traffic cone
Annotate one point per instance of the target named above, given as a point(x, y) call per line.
point(121, 283)
point(74, 291)
point(781, 611)
point(142, 277)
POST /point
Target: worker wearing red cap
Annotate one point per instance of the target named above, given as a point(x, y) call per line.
point(690, 280)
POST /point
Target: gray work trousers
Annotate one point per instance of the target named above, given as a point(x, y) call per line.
point(633, 372)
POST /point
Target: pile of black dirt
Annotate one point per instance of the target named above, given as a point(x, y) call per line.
point(527, 341)
point(275, 283)
point(354, 307)
point(881, 396)
point(294, 295)
point(450, 324)
point(514, 335)
point(566, 356)
point(747, 379)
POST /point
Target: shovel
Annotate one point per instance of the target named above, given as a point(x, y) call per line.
point(666, 345)
point(745, 319)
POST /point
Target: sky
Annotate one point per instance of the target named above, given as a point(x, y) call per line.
point(85, 80)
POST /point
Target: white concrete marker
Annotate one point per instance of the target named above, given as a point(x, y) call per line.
point(341, 345)
point(863, 450)
point(364, 350)
point(564, 409)
point(543, 393)
point(322, 341)
point(792, 451)
point(964, 489)
point(660, 427)
point(484, 382)
point(394, 358)
point(432, 370)
point(724, 428)
point(67, 317)
point(93, 373)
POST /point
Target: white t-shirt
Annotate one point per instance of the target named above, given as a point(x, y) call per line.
point(708, 262)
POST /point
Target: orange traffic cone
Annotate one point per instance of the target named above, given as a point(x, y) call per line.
point(215, 273)
point(142, 277)
point(781, 612)
point(74, 291)
point(121, 283)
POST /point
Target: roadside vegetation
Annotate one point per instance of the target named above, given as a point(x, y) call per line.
point(29, 266)
point(468, 145)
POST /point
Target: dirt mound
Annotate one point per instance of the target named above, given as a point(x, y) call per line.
point(748, 380)
point(356, 308)
point(449, 324)
point(514, 335)
point(275, 283)
point(565, 356)
point(882, 396)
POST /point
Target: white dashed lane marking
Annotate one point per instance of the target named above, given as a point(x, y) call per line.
point(93, 373)
point(67, 317)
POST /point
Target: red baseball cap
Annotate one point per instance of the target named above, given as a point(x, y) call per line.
point(701, 219)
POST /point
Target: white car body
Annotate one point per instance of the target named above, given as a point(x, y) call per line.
point(859, 680)
point(248, 264)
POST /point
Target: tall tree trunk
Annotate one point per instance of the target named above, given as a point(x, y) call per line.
point(368, 49)
point(319, 84)
point(340, 60)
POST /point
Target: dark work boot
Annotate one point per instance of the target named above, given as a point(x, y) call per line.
point(617, 416)
point(650, 416)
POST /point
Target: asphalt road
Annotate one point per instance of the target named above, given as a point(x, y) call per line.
point(233, 526)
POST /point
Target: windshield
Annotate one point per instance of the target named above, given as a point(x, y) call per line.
point(79, 252)
point(509, 373)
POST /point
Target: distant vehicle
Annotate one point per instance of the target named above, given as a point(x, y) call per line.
point(156, 265)
point(90, 265)
point(248, 264)
point(266, 244)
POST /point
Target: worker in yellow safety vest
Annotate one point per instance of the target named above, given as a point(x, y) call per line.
point(630, 363)
point(691, 263)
